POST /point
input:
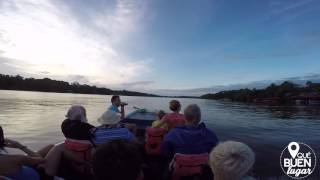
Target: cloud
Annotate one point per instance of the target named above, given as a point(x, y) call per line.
point(39, 36)
point(282, 6)
point(285, 11)
point(138, 83)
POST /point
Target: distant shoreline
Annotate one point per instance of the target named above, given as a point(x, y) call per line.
point(285, 93)
point(19, 83)
point(186, 97)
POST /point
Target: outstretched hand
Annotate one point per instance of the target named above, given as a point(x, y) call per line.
point(13, 144)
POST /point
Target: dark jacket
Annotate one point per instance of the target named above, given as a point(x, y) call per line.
point(76, 130)
point(189, 139)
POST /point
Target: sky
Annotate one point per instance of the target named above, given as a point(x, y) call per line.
point(162, 46)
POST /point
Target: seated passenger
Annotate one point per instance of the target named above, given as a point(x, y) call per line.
point(157, 123)
point(20, 166)
point(191, 138)
point(175, 118)
point(232, 160)
point(74, 128)
point(111, 129)
point(76, 125)
point(117, 159)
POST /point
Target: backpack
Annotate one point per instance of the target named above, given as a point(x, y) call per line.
point(154, 137)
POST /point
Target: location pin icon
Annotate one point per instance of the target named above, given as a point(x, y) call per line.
point(294, 152)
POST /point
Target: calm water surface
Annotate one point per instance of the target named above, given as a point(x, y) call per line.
point(35, 117)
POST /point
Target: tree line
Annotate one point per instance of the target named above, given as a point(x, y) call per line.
point(18, 82)
point(283, 91)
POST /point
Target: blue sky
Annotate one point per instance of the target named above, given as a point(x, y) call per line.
point(158, 44)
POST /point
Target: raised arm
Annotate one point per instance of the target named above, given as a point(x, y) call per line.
point(122, 112)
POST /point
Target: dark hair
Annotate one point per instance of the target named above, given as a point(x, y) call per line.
point(160, 114)
point(174, 105)
point(113, 98)
point(1, 138)
point(117, 159)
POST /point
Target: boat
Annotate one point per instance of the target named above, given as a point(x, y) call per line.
point(142, 118)
point(155, 165)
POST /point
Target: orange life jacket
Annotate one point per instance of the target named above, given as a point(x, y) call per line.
point(154, 137)
point(82, 150)
point(185, 165)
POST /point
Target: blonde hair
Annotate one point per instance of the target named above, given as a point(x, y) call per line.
point(231, 160)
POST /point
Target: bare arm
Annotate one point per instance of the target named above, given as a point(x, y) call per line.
point(15, 144)
point(122, 112)
point(160, 124)
point(14, 162)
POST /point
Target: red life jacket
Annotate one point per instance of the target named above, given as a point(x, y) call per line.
point(185, 165)
point(82, 150)
point(154, 137)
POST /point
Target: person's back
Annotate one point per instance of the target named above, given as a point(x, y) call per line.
point(192, 138)
point(174, 119)
point(189, 139)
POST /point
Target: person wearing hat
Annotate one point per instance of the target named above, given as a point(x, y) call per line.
point(76, 125)
point(111, 129)
point(232, 160)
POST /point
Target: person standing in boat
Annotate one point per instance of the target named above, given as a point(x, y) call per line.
point(191, 138)
point(115, 104)
point(172, 119)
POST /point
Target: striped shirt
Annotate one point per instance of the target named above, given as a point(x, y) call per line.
point(102, 135)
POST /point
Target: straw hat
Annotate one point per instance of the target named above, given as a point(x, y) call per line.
point(109, 117)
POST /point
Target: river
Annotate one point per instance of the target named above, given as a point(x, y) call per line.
point(34, 118)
